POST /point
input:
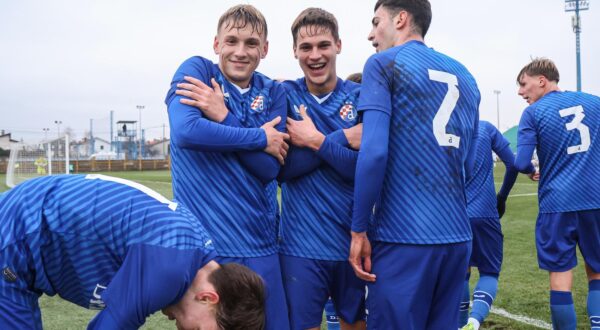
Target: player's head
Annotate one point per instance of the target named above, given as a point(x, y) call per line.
point(230, 296)
point(537, 78)
point(316, 45)
point(397, 21)
point(356, 77)
point(241, 42)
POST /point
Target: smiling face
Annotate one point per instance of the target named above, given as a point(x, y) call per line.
point(383, 33)
point(316, 50)
point(531, 88)
point(240, 50)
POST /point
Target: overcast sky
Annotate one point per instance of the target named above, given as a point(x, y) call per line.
point(75, 60)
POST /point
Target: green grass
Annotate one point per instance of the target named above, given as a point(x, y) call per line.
point(523, 287)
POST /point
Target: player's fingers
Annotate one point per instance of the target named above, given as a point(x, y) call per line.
point(197, 82)
point(285, 146)
point(274, 122)
point(216, 86)
point(285, 136)
point(303, 112)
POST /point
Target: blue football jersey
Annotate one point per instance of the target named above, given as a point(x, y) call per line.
point(564, 127)
point(317, 207)
point(99, 242)
point(432, 101)
point(231, 203)
point(481, 192)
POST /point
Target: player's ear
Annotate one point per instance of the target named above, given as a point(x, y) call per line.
point(207, 297)
point(338, 45)
point(401, 19)
point(216, 45)
point(265, 49)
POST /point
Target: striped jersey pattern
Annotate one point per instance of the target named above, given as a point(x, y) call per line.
point(67, 234)
point(423, 200)
point(481, 192)
point(317, 207)
point(565, 126)
point(232, 204)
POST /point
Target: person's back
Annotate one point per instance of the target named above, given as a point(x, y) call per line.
point(569, 160)
point(434, 115)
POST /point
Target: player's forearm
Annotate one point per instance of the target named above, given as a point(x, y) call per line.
point(299, 162)
point(370, 167)
point(190, 130)
point(523, 159)
point(342, 160)
point(510, 175)
point(262, 165)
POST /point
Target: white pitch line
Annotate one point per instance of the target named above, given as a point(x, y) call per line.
point(522, 195)
point(520, 318)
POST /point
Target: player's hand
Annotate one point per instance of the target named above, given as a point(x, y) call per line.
point(276, 145)
point(500, 205)
point(304, 133)
point(360, 256)
point(535, 176)
point(209, 100)
point(354, 135)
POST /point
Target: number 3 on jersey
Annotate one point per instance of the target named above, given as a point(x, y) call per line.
point(442, 117)
point(576, 123)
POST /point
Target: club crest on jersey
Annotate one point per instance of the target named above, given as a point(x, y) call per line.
point(297, 108)
point(258, 104)
point(348, 112)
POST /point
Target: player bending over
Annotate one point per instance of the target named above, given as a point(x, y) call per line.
point(112, 244)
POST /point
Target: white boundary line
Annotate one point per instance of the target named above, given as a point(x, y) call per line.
point(520, 318)
point(522, 195)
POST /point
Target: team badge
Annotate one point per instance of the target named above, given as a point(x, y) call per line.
point(348, 112)
point(258, 104)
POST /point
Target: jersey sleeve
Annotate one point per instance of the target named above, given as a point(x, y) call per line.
point(340, 158)
point(370, 167)
point(189, 128)
point(150, 278)
point(375, 88)
point(260, 164)
point(527, 129)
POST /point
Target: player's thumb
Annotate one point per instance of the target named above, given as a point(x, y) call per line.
point(274, 122)
point(215, 85)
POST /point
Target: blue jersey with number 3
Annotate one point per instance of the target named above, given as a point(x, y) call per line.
point(564, 127)
point(432, 101)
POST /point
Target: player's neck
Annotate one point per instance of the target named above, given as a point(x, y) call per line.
point(404, 38)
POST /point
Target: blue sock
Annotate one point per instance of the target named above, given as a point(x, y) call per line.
point(484, 295)
point(562, 310)
point(333, 321)
point(593, 304)
point(463, 313)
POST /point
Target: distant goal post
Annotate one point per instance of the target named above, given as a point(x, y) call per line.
point(27, 161)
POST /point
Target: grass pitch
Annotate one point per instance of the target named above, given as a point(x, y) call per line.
point(523, 288)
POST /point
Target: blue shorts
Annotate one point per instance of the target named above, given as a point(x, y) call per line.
point(269, 269)
point(487, 245)
point(558, 234)
point(19, 307)
point(417, 286)
point(309, 283)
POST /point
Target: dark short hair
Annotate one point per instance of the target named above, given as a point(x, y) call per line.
point(240, 16)
point(420, 10)
point(356, 77)
point(316, 19)
point(540, 67)
point(242, 297)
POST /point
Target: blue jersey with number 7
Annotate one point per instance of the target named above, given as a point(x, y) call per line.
point(433, 102)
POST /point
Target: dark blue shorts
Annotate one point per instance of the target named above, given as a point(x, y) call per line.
point(309, 283)
point(417, 286)
point(18, 304)
point(269, 269)
point(487, 245)
point(558, 234)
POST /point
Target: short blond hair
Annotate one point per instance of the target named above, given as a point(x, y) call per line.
point(540, 67)
point(240, 16)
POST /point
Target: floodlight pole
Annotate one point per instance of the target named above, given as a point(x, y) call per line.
point(577, 30)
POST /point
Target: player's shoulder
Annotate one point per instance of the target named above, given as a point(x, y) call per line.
point(296, 85)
